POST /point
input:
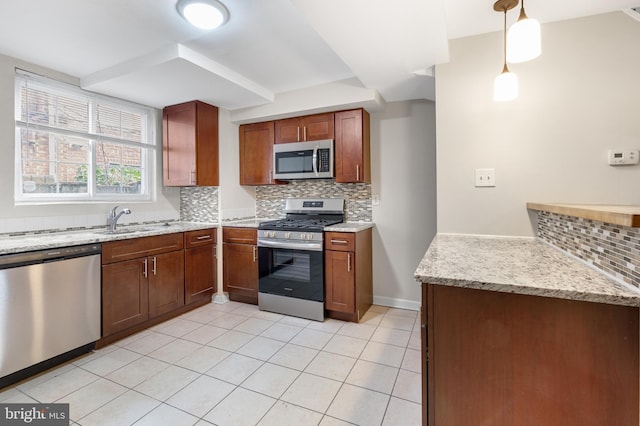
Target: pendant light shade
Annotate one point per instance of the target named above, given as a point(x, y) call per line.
point(505, 86)
point(523, 39)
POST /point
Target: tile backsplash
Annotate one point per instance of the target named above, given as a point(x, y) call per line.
point(611, 248)
point(270, 199)
point(199, 204)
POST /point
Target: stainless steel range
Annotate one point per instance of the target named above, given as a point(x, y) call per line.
point(291, 257)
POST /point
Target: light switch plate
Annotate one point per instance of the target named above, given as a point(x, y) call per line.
point(485, 177)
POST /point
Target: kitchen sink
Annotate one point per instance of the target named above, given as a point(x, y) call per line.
point(134, 229)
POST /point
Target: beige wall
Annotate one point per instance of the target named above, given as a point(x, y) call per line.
point(403, 148)
point(577, 100)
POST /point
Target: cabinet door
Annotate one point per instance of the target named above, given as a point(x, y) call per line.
point(179, 145)
point(256, 153)
point(240, 271)
point(340, 281)
point(200, 272)
point(318, 127)
point(166, 282)
point(308, 128)
point(288, 130)
point(352, 147)
point(190, 144)
point(124, 296)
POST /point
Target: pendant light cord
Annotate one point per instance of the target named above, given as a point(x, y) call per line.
point(504, 39)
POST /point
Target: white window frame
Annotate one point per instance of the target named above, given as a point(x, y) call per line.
point(148, 146)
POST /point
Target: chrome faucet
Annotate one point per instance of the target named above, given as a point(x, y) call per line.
point(112, 219)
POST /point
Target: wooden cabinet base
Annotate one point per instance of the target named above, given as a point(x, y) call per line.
point(107, 340)
point(236, 297)
point(508, 359)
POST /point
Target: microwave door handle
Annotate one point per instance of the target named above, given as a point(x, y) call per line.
point(315, 160)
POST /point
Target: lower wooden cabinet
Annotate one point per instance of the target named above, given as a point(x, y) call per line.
point(200, 265)
point(515, 359)
point(149, 279)
point(141, 278)
point(125, 301)
point(240, 264)
point(348, 274)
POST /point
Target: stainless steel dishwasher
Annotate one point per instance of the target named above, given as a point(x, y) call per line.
point(49, 308)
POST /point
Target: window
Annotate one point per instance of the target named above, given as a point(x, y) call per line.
point(74, 145)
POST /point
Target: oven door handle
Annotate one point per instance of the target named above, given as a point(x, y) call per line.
point(290, 245)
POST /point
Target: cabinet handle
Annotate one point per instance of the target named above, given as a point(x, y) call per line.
point(305, 133)
point(298, 135)
point(270, 175)
point(203, 237)
point(357, 171)
point(153, 269)
point(348, 262)
point(255, 254)
point(193, 177)
point(341, 242)
point(144, 270)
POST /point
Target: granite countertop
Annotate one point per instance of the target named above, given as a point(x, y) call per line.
point(252, 222)
point(349, 227)
point(46, 240)
point(518, 265)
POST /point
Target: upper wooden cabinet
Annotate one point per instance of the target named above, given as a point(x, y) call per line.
point(190, 144)
point(256, 153)
point(352, 146)
point(307, 128)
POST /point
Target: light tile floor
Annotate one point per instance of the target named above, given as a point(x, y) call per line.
point(232, 364)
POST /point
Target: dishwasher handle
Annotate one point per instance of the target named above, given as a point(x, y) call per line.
point(48, 255)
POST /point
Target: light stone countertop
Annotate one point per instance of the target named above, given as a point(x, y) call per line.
point(518, 265)
point(349, 227)
point(47, 240)
point(252, 222)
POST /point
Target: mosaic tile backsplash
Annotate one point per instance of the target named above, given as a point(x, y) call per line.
point(270, 199)
point(612, 248)
point(199, 204)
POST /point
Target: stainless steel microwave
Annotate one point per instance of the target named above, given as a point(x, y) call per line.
point(303, 160)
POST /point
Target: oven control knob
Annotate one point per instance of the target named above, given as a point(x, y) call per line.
point(287, 235)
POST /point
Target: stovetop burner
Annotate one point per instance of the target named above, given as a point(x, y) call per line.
point(308, 215)
point(298, 224)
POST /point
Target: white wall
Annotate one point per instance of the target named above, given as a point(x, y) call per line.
point(577, 100)
point(403, 156)
point(236, 201)
point(34, 217)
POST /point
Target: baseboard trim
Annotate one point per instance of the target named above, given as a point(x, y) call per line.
point(392, 302)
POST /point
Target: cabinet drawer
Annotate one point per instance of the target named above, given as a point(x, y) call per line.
point(201, 237)
point(240, 235)
point(117, 251)
point(340, 241)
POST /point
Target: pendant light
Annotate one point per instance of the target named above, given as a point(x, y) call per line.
point(505, 86)
point(523, 39)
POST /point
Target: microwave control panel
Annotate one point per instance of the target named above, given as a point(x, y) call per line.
point(324, 160)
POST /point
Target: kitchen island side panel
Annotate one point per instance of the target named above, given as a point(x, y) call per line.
point(504, 359)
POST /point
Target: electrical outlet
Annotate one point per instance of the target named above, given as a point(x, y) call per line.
point(485, 177)
point(375, 199)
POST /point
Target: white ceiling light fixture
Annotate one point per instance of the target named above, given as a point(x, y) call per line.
point(524, 39)
point(203, 14)
point(505, 86)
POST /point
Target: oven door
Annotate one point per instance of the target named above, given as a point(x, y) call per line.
point(291, 272)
